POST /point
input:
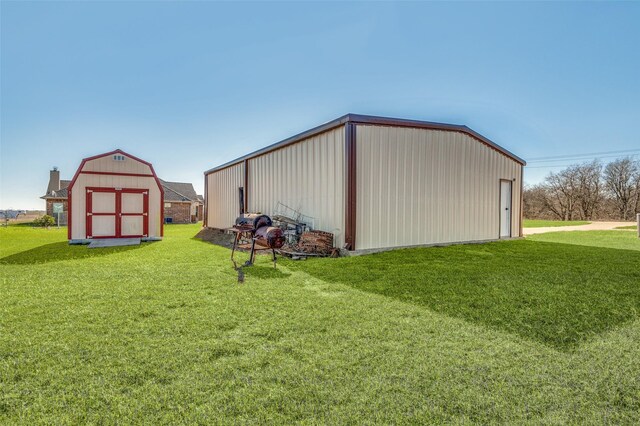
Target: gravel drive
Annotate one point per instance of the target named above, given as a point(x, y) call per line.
point(594, 226)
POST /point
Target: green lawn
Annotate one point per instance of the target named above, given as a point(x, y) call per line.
point(607, 239)
point(535, 223)
point(627, 227)
point(511, 332)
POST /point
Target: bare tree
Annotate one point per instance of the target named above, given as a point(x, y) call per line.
point(535, 200)
point(589, 195)
point(587, 191)
point(621, 178)
point(562, 193)
point(636, 204)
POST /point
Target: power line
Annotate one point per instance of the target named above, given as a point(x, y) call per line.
point(585, 158)
point(549, 167)
point(576, 156)
point(573, 164)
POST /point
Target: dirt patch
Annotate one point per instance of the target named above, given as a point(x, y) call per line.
point(216, 236)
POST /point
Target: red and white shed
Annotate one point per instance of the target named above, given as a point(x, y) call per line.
point(115, 195)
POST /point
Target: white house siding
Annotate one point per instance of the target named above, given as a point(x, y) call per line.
point(419, 186)
point(222, 198)
point(308, 176)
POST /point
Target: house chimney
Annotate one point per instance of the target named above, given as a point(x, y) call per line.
point(54, 180)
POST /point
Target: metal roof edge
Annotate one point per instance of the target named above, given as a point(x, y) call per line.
point(371, 120)
point(288, 141)
point(403, 122)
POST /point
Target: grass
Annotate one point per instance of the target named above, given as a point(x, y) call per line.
point(602, 239)
point(634, 227)
point(557, 294)
point(513, 332)
point(535, 223)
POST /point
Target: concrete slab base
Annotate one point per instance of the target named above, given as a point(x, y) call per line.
point(89, 240)
point(114, 242)
point(362, 252)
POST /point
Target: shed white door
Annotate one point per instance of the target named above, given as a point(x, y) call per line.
point(133, 214)
point(101, 213)
point(505, 208)
point(117, 212)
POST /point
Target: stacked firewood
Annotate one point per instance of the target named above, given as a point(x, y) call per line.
point(317, 242)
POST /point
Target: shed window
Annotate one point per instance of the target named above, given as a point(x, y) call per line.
point(118, 157)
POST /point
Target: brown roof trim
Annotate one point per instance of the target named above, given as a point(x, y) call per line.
point(371, 120)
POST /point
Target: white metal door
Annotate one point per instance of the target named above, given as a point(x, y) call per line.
point(505, 208)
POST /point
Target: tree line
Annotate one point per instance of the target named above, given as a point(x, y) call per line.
point(587, 191)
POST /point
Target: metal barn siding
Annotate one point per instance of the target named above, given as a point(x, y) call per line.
point(223, 196)
point(421, 186)
point(377, 181)
point(105, 172)
point(308, 176)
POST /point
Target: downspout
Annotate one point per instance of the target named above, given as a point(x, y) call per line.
point(206, 200)
point(521, 200)
point(350, 202)
point(246, 186)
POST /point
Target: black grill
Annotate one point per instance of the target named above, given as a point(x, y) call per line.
point(258, 228)
point(270, 237)
point(253, 221)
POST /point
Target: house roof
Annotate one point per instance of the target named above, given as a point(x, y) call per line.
point(61, 193)
point(178, 191)
point(371, 120)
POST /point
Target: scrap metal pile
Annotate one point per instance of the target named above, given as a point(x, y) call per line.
point(301, 239)
point(287, 232)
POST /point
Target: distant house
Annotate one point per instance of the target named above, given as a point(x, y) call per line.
point(181, 203)
point(56, 193)
point(200, 209)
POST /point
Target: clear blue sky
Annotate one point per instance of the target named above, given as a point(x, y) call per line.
point(189, 86)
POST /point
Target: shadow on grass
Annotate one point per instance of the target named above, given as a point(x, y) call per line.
point(61, 251)
point(557, 294)
point(266, 271)
point(215, 237)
